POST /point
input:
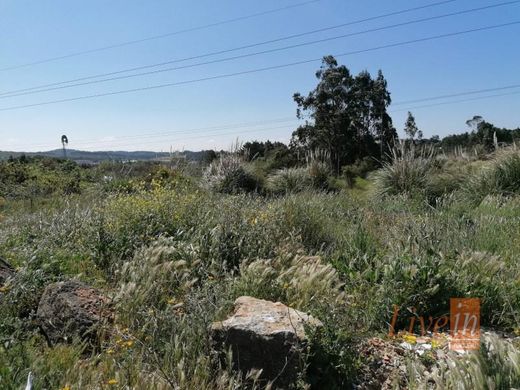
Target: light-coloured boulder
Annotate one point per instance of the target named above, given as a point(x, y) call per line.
point(265, 336)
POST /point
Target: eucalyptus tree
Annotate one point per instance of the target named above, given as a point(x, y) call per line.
point(345, 115)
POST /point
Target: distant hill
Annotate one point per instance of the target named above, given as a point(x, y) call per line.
point(74, 154)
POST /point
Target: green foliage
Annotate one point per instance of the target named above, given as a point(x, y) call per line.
point(502, 177)
point(495, 365)
point(348, 115)
point(228, 175)
point(289, 180)
point(175, 256)
point(407, 173)
point(361, 168)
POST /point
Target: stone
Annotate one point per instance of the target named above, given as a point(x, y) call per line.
point(265, 336)
point(71, 310)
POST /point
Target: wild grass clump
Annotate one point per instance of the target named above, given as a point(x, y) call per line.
point(406, 173)
point(501, 177)
point(158, 274)
point(289, 180)
point(227, 174)
point(495, 366)
point(285, 181)
point(302, 282)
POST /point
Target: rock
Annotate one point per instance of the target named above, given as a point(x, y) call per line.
point(6, 271)
point(383, 363)
point(71, 309)
point(265, 336)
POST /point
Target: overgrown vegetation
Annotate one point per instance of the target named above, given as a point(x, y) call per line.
point(340, 230)
point(174, 255)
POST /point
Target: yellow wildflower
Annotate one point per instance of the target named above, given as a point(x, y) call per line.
point(129, 343)
point(66, 387)
point(286, 286)
point(112, 382)
point(435, 343)
point(111, 351)
point(171, 301)
point(410, 338)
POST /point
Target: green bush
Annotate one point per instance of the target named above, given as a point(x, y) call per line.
point(502, 177)
point(407, 173)
point(289, 180)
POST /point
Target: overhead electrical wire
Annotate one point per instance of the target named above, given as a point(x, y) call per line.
point(456, 101)
point(284, 127)
point(114, 143)
point(10, 95)
point(258, 70)
point(204, 136)
point(184, 131)
point(472, 92)
point(261, 44)
point(247, 125)
point(178, 32)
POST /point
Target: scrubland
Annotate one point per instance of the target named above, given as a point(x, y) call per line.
point(174, 248)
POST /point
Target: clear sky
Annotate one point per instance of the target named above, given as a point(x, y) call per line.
point(214, 113)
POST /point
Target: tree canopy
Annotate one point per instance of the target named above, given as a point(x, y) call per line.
point(346, 115)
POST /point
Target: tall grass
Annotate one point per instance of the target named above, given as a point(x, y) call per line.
point(500, 177)
point(175, 256)
point(407, 172)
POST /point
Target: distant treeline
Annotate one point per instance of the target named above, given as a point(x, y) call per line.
point(484, 135)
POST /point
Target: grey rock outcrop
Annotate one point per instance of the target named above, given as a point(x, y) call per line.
point(265, 336)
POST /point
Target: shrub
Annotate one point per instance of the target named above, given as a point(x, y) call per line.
point(289, 180)
point(319, 174)
point(502, 177)
point(406, 173)
point(360, 168)
point(228, 175)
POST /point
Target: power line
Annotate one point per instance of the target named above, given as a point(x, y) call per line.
point(85, 143)
point(283, 127)
point(473, 92)
point(258, 70)
point(7, 95)
point(456, 101)
point(246, 46)
point(207, 135)
point(182, 131)
point(408, 109)
point(287, 119)
point(116, 144)
point(178, 32)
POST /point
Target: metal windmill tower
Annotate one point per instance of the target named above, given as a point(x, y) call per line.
point(64, 142)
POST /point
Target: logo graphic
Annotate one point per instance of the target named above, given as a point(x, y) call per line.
point(464, 324)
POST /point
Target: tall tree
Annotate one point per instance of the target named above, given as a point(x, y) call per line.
point(411, 129)
point(347, 114)
point(382, 126)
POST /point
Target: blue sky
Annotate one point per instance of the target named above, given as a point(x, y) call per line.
point(212, 114)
